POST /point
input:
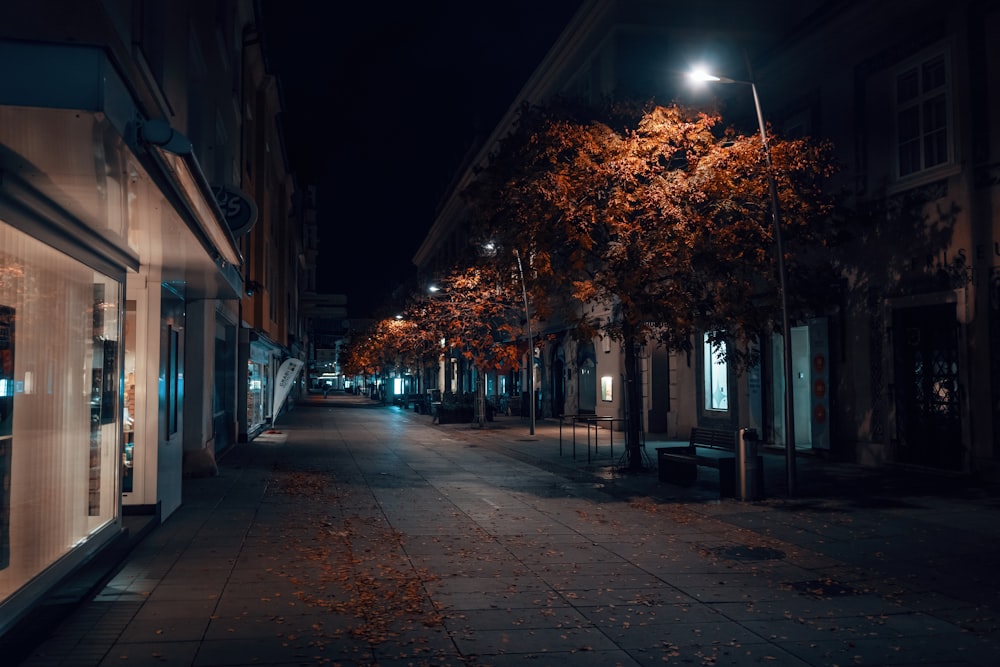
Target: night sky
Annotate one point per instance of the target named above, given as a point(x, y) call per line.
point(383, 100)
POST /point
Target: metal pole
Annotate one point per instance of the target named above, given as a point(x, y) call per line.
point(481, 398)
point(531, 348)
point(786, 332)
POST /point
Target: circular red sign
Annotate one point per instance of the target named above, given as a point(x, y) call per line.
point(819, 414)
point(819, 388)
point(819, 363)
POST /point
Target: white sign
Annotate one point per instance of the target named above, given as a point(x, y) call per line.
point(287, 373)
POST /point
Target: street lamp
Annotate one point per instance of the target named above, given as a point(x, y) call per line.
point(786, 333)
point(489, 248)
point(445, 352)
point(480, 407)
point(531, 349)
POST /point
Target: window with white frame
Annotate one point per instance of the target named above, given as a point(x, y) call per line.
point(923, 122)
point(716, 375)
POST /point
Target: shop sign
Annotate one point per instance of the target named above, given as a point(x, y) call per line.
point(237, 208)
point(283, 381)
point(819, 347)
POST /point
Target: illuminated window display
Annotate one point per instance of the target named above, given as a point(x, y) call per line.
point(716, 376)
point(256, 387)
point(607, 389)
point(6, 426)
point(129, 425)
point(60, 411)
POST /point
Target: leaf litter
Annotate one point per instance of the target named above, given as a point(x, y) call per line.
point(351, 565)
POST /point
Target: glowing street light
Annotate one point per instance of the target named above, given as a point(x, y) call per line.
point(703, 76)
point(531, 349)
point(434, 289)
point(489, 248)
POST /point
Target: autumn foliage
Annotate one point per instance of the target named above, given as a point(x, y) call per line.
point(658, 215)
point(665, 217)
point(474, 311)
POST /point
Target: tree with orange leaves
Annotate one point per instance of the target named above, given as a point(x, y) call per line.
point(657, 215)
point(474, 311)
point(357, 357)
point(388, 344)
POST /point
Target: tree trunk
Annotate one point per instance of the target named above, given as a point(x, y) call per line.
point(481, 397)
point(633, 405)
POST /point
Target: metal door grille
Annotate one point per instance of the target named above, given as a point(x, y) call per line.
point(928, 398)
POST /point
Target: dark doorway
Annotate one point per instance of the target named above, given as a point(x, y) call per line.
point(586, 361)
point(928, 414)
point(558, 387)
point(587, 390)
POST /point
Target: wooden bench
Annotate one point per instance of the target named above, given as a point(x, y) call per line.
point(680, 464)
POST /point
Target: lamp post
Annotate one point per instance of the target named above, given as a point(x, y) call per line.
point(786, 332)
point(480, 372)
point(445, 355)
point(490, 249)
point(531, 348)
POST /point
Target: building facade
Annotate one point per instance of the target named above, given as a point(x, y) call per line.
point(903, 367)
point(275, 255)
point(908, 93)
point(124, 208)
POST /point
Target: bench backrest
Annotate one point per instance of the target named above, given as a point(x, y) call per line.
point(714, 438)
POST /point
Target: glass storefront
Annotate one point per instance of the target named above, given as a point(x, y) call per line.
point(256, 395)
point(129, 425)
point(716, 375)
point(60, 405)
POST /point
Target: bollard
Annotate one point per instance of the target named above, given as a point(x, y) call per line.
point(748, 463)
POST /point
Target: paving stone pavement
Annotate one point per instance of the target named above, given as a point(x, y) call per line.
point(361, 534)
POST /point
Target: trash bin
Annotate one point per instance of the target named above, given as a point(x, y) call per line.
point(749, 466)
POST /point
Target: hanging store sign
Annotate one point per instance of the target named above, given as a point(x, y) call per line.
point(238, 209)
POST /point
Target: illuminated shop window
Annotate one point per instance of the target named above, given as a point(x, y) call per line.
point(716, 376)
point(607, 389)
point(60, 405)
